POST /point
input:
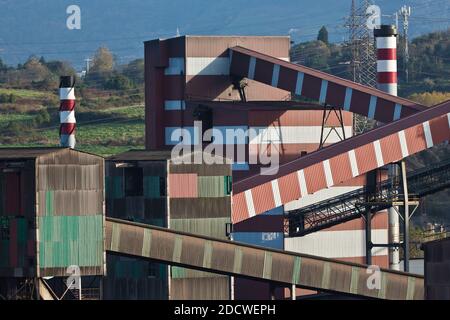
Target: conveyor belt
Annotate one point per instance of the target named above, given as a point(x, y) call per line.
point(320, 86)
point(341, 161)
point(348, 206)
point(237, 259)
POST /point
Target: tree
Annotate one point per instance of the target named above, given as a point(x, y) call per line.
point(60, 68)
point(323, 35)
point(3, 67)
point(118, 82)
point(103, 61)
point(135, 71)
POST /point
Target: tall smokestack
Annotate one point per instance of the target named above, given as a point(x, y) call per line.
point(67, 111)
point(386, 37)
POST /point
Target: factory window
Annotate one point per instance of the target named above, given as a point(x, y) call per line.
point(162, 186)
point(205, 115)
point(4, 228)
point(133, 178)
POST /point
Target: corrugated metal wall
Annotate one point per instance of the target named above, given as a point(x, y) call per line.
point(130, 278)
point(200, 203)
point(70, 212)
point(17, 241)
point(258, 234)
point(437, 269)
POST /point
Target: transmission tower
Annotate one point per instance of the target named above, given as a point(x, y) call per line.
point(405, 12)
point(363, 55)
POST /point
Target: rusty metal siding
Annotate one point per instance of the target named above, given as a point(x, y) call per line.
point(59, 199)
point(70, 194)
point(196, 210)
point(17, 207)
point(215, 46)
point(131, 278)
point(202, 288)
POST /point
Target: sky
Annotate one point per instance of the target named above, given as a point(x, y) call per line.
point(39, 27)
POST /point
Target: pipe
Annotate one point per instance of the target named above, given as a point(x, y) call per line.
point(67, 111)
point(387, 81)
point(386, 38)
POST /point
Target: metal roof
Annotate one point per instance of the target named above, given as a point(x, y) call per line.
point(27, 153)
point(141, 155)
point(149, 155)
point(33, 152)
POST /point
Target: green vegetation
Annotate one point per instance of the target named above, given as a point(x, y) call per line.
point(429, 64)
point(105, 132)
point(109, 112)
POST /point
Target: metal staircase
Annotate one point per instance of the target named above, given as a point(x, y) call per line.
point(352, 205)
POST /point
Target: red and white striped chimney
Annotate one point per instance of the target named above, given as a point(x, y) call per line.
point(386, 37)
point(67, 111)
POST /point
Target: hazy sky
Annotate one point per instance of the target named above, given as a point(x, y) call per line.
point(39, 26)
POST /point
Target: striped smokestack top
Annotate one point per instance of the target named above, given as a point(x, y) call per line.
point(67, 111)
point(386, 58)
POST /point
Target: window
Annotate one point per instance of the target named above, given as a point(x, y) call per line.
point(133, 178)
point(162, 186)
point(228, 185)
point(4, 228)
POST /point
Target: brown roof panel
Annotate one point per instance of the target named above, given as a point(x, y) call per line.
point(27, 153)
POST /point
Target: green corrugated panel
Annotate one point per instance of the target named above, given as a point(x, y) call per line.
point(67, 240)
point(151, 187)
point(107, 187)
point(157, 222)
point(228, 184)
point(211, 186)
point(118, 190)
point(178, 272)
point(22, 230)
point(49, 198)
point(210, 227)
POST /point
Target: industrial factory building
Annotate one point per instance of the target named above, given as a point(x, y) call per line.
point(157, 224)
point(188, 79)
point(52, 215)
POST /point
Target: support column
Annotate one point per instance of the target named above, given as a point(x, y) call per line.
point(293, 292)
point(272, 291)
point(368, 236)
point(405, 217)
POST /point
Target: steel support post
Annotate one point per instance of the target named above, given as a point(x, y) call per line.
point(405, 217)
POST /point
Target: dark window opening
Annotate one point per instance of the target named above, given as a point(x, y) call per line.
point(4, 228)
point(134, 183)
point(162, 186)
point(205, 115)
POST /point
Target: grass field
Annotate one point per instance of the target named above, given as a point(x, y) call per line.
point(111, 131)
point(27, 94)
